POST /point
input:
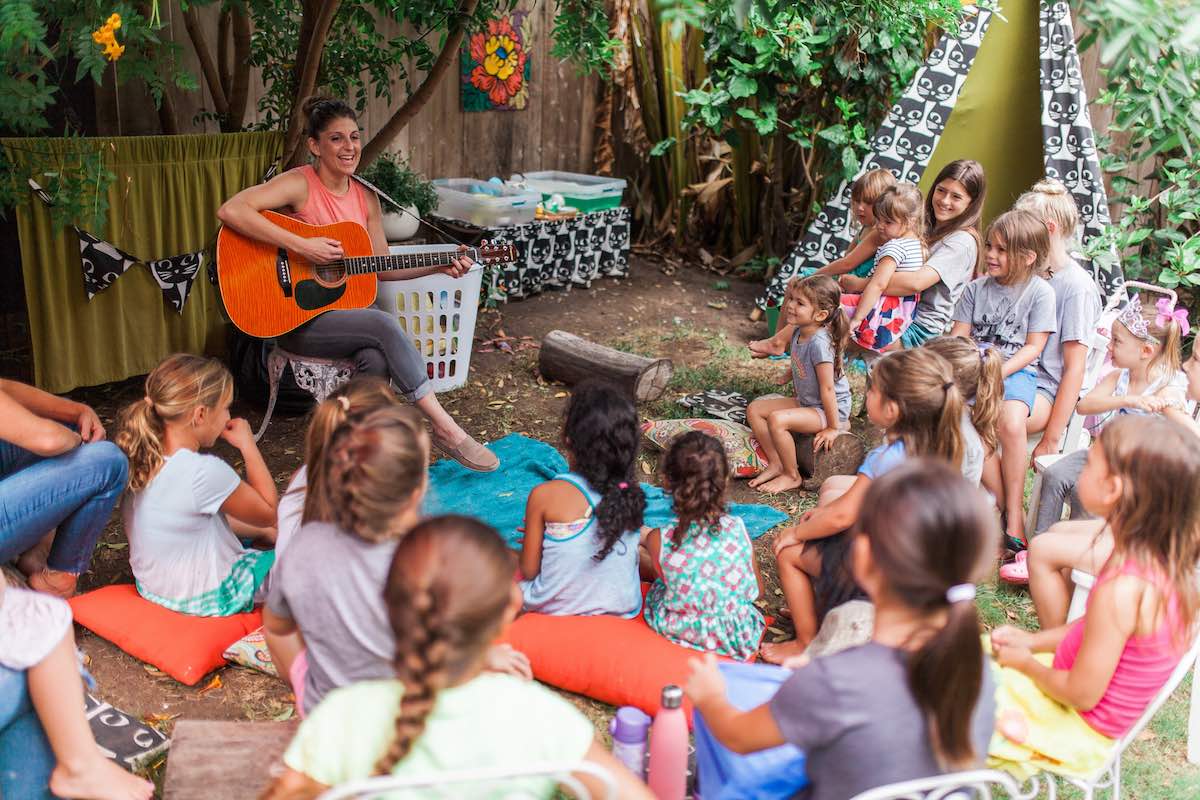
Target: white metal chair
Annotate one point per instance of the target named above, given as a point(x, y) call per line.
point(964, 786)
point(317, 376)
point(453, 785)
point(1075, 437)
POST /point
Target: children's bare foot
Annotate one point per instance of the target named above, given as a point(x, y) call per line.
point(778, 652)
point(51, 581)
point(99, 779)
point(783, 483)
point(767, 474)
point(33, 560)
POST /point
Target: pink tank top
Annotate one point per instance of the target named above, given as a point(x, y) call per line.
point(324, 207)
point(1144, 667)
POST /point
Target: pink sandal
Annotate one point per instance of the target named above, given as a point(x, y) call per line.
point(1018, 571)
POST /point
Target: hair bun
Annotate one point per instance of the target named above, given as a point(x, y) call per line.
point(1051, 186)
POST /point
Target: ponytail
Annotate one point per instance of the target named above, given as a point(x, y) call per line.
point(989, 397)
point(696, 470)
point(922, 385)
point(140, 435)
point(931, 536)
point(948, 442)
point(601, 431)
point(174, 390)
point(825, 295)
point(944, 676)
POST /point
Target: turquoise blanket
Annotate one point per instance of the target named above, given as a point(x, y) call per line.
point(498, 498)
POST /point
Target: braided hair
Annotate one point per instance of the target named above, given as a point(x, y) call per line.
point(371, 470)
point(601, 433)
point(696, 471)
point(448, 592)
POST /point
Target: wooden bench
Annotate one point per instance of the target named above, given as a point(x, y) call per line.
point(213, 760)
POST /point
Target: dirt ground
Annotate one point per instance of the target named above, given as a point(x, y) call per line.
point(703, 313)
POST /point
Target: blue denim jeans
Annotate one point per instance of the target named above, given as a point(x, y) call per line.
point(26, 759)
point(74, 493)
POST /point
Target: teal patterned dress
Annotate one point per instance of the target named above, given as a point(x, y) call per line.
point(705, 599)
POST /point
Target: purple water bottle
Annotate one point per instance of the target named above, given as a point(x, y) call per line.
point(629, 729)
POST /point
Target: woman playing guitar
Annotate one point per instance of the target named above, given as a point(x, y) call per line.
point(325, 193)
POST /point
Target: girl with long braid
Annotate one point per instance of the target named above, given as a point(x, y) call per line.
point(449, 594)
point(582, 528)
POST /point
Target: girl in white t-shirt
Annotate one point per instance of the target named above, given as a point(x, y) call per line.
point(186, 510)
point(360, 395)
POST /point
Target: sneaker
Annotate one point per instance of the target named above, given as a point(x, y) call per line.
point(470, 453)
point(1018, 571)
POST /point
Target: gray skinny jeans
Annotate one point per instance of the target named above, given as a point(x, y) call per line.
point(1059, 485)
point(372, 339)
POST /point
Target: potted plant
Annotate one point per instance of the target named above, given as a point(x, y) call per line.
point(392, 175)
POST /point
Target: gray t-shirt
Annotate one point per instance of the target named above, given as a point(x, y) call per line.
point(953, 258)
point(331, 584)
point(1077, 308)
point(1002, 316)
point(972, 460)
point(855, 719)
point(805, 357)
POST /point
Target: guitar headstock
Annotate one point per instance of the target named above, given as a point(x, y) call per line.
point(496, 253)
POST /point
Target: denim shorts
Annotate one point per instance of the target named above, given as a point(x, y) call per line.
point(916, 335)
point(1022, 386)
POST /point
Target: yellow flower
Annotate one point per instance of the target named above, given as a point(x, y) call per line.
point(104, 36)
point(114, 21)
point(501, 59)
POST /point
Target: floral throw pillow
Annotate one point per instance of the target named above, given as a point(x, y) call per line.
point(746, 458)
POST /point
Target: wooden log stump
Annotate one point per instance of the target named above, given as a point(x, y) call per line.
point(213, 760)
point(569, 358)
point(843, 458)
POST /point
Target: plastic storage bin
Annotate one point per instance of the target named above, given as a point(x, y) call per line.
point(493, 205)
point(584, 192)
point(438, 314)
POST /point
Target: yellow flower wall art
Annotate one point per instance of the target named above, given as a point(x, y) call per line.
point(496, 65)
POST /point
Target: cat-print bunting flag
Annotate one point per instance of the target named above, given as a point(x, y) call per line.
point(103, 262)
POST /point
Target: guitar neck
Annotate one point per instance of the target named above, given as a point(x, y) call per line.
point(364, 265)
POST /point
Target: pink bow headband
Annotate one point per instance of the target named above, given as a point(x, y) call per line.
point(1168, 311)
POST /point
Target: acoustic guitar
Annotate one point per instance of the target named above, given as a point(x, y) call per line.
point(268, 290)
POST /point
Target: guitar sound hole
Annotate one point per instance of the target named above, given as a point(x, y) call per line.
point(311, 295)
point(330, 273)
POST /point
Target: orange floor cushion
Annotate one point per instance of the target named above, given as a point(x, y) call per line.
point(617, 661)
point(185, 647)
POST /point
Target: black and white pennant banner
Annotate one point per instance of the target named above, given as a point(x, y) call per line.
point(174, 276)
point(102, 262)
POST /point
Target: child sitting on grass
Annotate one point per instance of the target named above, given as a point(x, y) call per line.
point(325, 622)
point(859, 260)
point(912, 395)
point(707, 578)
point(46, 746)
point(582, 528)
point(916, 700)
point(449, 594)
point(1061, 709)
point(821, 404)
point(186, 510)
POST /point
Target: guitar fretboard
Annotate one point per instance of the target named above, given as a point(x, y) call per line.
point(363, 265)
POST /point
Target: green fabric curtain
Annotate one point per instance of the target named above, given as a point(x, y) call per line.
point(997, 120)
point(162, 203)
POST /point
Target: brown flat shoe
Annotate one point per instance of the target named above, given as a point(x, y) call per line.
point(51, 581)
point(470, 453)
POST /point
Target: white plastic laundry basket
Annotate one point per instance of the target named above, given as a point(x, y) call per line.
point(438, 314)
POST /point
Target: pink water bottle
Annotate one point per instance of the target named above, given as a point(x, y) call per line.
point(669, 747)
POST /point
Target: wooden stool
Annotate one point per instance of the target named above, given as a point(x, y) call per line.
point(317, 376)
point(213, 760)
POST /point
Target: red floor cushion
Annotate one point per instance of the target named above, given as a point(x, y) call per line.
point(185, 647)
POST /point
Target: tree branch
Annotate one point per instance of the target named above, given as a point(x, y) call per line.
point(207, 67)
point(224, 72)
point(322, 13)
point(417, 100)
point(240, 93)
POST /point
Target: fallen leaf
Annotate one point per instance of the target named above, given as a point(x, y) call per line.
point(155, 719)
point(286, 714)
point(155, 671)
point(560, 394)
point(718, 304)
point(215, 683)
point(776, 631)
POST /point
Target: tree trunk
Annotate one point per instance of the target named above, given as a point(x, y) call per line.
point(314, 31)
point(208, 65)
point(417, 100)
point(224, 70)
point(568, 358)
point(240, 94)
point(168, 120)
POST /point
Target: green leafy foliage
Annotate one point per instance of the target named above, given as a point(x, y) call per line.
point(1150, 50)
point(394, 176)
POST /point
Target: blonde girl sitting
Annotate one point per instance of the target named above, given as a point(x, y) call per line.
point(1145, 351)
point(877, 320)
point(449, 594)
point(186, 510)
point(324, 621)
point(821, 404)
point(1068, 692)
point(913, 396)
point(916, 700)
point(360, 395)
point(705, 576)
point(1011, 309)
point(980, 380)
